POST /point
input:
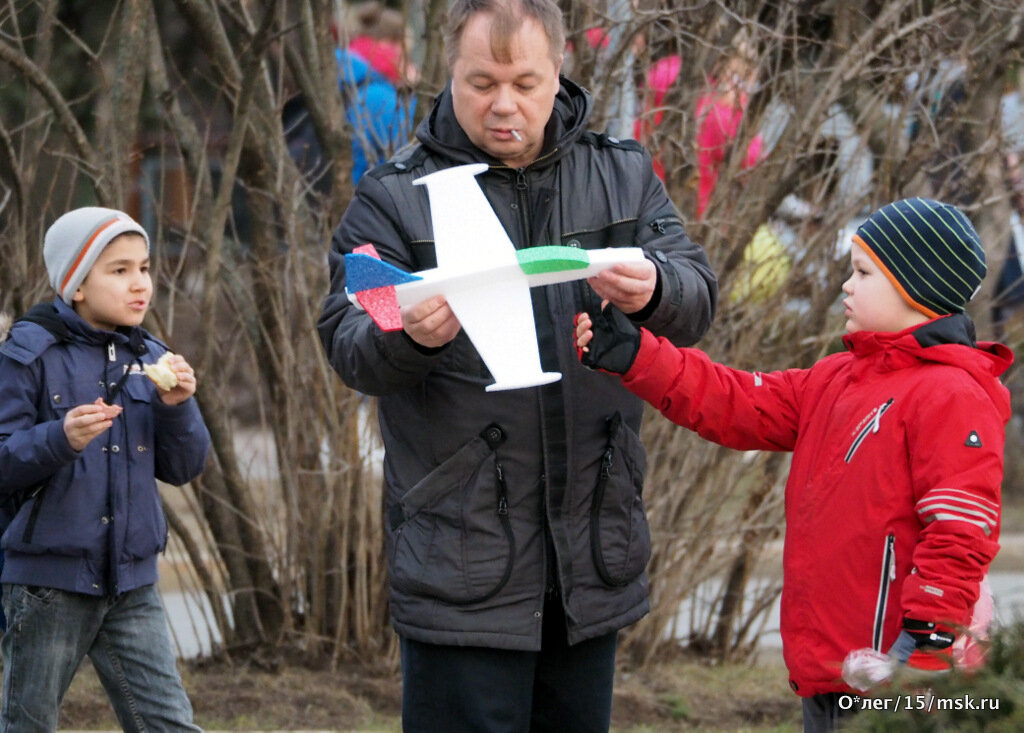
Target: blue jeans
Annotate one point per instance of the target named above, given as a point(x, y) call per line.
point(49, 633)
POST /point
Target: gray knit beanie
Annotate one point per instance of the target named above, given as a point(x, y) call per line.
point(75, 240)
point(929, 250)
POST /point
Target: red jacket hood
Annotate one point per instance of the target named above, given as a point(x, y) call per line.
point(946, 340)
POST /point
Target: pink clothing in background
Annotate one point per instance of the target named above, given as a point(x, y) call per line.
point(718, 123)
point(660, 77)
point(383, 57)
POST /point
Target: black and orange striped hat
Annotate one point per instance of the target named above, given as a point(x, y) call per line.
point(929, 250)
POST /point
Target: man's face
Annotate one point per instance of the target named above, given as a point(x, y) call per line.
point(503, 108)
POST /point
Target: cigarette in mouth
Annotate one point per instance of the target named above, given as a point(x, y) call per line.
point(517, 136)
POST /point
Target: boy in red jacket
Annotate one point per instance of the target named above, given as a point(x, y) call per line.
point(893, 497)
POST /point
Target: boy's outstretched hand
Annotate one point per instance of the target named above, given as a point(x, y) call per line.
point(85, 422)
point(186, 386)
point(606, 340)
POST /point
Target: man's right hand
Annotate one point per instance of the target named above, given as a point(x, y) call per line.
point(431, 323)
point(85, 422)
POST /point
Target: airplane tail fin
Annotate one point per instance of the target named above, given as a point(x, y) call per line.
point(370, 284)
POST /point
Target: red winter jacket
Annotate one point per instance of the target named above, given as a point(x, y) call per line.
point(893, 497)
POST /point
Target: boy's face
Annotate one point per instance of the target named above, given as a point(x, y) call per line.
point(872, 302)
point(117, 290)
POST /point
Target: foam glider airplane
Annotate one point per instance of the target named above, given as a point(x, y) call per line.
point(485, 280)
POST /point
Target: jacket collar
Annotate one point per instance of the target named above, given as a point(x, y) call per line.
point(79, 330)
point(946, 340)
point(441, 133)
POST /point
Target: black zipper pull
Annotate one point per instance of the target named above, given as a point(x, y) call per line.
point(502, 490)
point(606, 463)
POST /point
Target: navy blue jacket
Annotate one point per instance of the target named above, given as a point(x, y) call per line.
point(91, 521)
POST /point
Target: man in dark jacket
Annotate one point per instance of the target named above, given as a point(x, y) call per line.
point(516, 534)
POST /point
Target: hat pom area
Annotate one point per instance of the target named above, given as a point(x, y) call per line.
point(73, 242)
point(929, 250)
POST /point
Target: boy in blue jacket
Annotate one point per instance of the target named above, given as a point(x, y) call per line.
point(84, 435)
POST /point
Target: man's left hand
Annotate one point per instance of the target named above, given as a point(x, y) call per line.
point(628, 287)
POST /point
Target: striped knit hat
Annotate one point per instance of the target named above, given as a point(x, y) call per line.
point(930, 252)
point(75, 240)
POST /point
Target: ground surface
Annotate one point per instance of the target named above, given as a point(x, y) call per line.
point(678, 696)
point(683, 695)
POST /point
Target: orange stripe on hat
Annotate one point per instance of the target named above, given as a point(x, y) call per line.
point(85, 249)
point(892, 278)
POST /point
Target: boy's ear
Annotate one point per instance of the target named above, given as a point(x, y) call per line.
point(78, 297)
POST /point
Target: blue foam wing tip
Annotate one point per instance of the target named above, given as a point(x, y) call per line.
point(364, 272)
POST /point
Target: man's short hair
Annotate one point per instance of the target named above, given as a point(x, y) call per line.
point(508, 17)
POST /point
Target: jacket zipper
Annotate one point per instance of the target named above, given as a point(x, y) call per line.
point(522, 197)
point(33, 516)
point(37, 495)
point(524, 216)
point(871, 427)
point(595, 521)
point(888, 576)
point(506, 525)
point(658, 225)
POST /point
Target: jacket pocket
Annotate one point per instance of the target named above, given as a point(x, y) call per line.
point(451, 533)
point(620, 538)
point(60, 397)
point(884, 584)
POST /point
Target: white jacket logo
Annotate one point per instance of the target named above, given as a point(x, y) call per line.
point(871, 427)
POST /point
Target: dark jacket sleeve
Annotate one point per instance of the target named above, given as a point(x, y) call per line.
point(687, 287)
point(182, 441)
point(29, 453)
point(367, 359)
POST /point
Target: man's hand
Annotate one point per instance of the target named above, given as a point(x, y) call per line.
point(85, 422)
point(431, 323)
point(186, 386)
point(627, 287)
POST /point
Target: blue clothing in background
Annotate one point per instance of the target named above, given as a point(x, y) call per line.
point(381, 119)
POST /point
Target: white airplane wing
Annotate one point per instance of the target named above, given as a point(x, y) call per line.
point(467, 233)
point(481, 276)
point(498, 318)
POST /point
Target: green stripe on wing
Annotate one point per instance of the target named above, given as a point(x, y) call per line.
point(551, 258)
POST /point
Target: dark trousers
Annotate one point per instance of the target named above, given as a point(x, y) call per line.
point(824, 714)
point(568, 689)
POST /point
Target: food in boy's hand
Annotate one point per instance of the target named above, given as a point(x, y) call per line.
point(161, 373)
